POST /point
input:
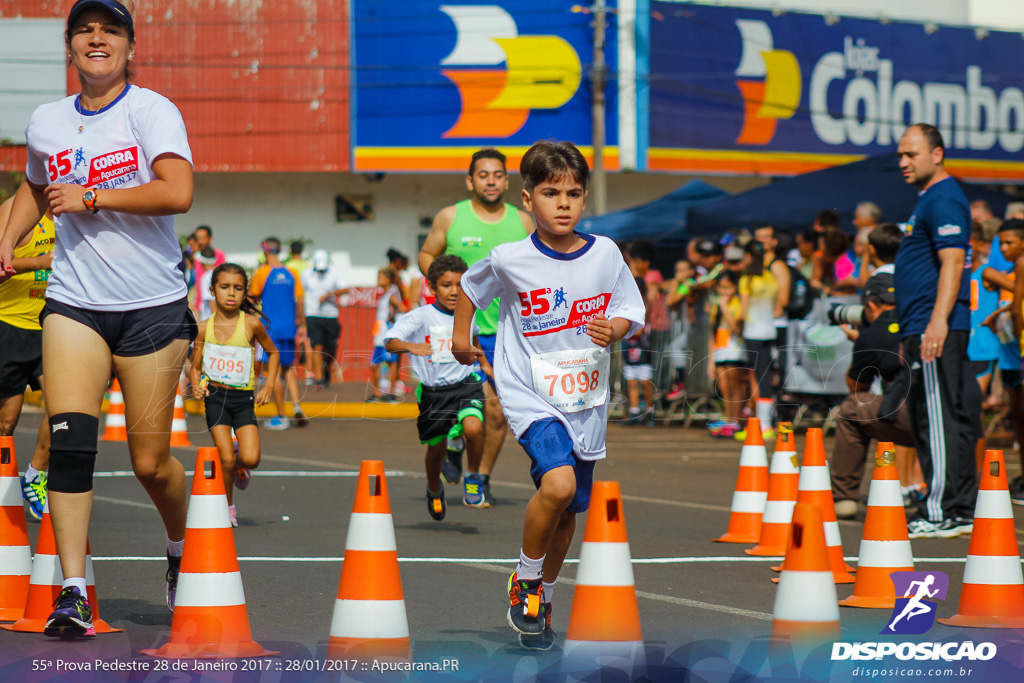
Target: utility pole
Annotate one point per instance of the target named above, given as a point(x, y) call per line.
point(598, 185)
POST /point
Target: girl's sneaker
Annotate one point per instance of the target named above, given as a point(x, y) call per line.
point(233, 515)
point(243, 475)
point(725, 431)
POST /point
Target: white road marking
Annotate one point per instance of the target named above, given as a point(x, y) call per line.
point(513, 560)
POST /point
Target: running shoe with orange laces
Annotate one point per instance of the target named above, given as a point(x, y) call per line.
point(525, 598)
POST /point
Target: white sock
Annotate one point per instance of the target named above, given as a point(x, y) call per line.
point(634, 411)
point(76, 581)
point(529, 568)
point(175, 548)
point(297, 407)
point(549, 590)
point(31, 473)
point(765, 406)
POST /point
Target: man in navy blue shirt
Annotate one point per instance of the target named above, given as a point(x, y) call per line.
point(932, 280)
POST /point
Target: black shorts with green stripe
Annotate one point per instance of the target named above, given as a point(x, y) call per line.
point(443, 406)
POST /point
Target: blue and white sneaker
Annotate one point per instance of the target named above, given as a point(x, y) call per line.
point(34, 493)
point(278, 423)
point(474, 494)
point(73, 616)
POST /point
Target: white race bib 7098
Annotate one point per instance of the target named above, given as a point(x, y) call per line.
point(227, 365)
point(572, 380)
point(441, 344)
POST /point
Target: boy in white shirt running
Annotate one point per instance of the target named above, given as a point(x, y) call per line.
point(449, 393)
point(565, 297)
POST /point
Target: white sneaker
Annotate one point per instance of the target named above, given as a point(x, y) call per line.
point(278, 423)
point(846, 509)
point(233, 514)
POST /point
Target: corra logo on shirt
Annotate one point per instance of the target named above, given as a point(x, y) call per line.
point(472, 241)
point(59, 426)
point(113, 165)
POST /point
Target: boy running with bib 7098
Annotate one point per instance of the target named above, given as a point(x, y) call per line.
point(449, 394)
point(553, 366)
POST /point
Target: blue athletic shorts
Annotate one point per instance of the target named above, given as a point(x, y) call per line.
point(382, 356)
point(487, 344)
point(286, 349)
point(549, 446)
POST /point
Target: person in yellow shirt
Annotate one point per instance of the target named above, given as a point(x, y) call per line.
point(21, 346)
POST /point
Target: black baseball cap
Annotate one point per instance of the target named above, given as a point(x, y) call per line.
point(119, 11)
point(708, 248)
point(882, 286)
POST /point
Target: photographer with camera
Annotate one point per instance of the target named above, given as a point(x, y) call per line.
point(865, 415)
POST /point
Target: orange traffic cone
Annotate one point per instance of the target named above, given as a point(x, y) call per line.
point(115, 428)
point(884, 547)
point(15, 552)
point(805, 606)
point(816, 488)
point(783, 482)
point(179, 427)
point(993, 590)
point(46, 582)
point(604, 626)
point(748, 500)
point(369, 620)
point(210, 620)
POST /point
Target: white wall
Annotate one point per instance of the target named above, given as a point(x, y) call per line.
point(244, 208)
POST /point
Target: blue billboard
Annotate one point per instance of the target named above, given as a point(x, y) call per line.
point(746, 91)
point(436, 80)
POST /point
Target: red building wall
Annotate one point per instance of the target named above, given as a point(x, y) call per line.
point(263, 85)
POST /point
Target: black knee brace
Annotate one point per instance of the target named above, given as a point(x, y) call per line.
point(73, 438)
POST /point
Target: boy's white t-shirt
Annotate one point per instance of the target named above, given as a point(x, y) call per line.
point(546, 365)
point(110, 260)
point(434, 326)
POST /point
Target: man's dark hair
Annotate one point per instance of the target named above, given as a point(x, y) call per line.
point(1014, 225)
point(549, 160)
point(486, 153)
point(810, 236)
point(209, 231)
point(886, 239)
point(449, 263)
point(827, 218)
point(932, 136)
point(296, 248)
point(642, 249)
point(272, 245)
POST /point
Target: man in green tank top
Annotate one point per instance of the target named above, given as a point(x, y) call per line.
point(470, 229)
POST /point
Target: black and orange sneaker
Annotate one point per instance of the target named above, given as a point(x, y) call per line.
point(73, 616)
point(525, 598)
point(546, 639)
point(436, 505)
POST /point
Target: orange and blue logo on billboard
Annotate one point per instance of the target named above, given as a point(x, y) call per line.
point(769, 80)
point(502, 75)
point(434, 78)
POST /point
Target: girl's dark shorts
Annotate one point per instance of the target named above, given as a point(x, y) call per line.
point(235, 408)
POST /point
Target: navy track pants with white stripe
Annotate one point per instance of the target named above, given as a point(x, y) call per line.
point(944, 433)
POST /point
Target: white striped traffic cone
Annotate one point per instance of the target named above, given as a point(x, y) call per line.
point(115, 427)
point(179, 426)
point(15, 552)
point(783, 482)
point(751, 493)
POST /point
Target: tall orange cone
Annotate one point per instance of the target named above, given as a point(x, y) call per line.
point(15, 552)
point(115, 428)
point(783, 482)
point(993, 590)
point(604, 626)
point(370, 620)
point(46, 582)
point(806, 609)
point(816, 488)
point(751, 494)
point(885, 546)
point(210, 620)
point(179, 427)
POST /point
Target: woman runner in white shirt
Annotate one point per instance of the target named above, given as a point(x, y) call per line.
point(114, 165)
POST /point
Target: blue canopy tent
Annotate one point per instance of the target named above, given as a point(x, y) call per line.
point(791, 203)
point(662, 221)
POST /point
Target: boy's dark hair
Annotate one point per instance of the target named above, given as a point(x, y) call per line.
point(390, 273)
point(297, 247)
point(642, 249)
point(206, 228)
point(730, 276)
point(487, 153)
point(886, 239)
point(1014, 225)
point(272, 245)
point(547, 160)
point(449, 263)
point(248, 304)
point(827, 218)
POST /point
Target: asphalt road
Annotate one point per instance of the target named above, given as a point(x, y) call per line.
point(705, 607)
